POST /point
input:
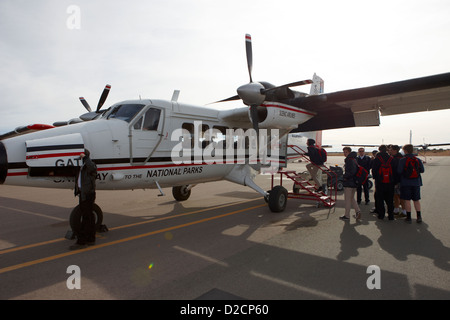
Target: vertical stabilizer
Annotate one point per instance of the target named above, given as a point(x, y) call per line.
point(300, 138)
point(317, 85)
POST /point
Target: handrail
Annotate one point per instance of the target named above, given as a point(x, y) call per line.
point(327, 171)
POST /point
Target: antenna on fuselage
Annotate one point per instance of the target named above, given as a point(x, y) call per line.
point(175, 95)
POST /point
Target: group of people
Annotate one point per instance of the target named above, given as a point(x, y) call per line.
point(397, 181)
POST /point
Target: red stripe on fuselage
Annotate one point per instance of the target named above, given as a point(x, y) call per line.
point(53, 155)
point(287, 108)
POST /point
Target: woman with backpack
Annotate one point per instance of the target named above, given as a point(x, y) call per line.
point(409, 168)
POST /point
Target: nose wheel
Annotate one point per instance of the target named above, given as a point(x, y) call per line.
point(75, 221)
point(181, 193)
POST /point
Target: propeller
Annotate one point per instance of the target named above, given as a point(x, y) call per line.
point(254, 94)
point(100, 102)
point(92, 114)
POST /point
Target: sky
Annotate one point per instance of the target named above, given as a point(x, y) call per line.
point(54, 51)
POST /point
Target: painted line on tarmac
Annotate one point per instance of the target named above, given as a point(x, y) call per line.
point(139, 236)
point(34, 213)
point(33, 245)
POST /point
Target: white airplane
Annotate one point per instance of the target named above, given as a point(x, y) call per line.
point(153, 143)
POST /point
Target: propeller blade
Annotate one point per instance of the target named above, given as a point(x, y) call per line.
point(248, 49)
point(85, 104)
point(103, 97)
point(292, 84)
point(233, 98)
point(255, 118)
point(255, 121)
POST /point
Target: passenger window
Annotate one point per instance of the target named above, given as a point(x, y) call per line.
point(151, 119)
point(188, 141)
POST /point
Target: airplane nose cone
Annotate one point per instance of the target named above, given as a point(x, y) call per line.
point(3, 163)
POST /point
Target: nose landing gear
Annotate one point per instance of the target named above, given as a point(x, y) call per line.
point(75, 221)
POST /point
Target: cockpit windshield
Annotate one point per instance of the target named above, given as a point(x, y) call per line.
point(125, 112)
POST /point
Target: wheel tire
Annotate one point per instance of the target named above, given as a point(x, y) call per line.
point(278, 199)
point(369, 184)
point(180, 193)
point(340, 186)
point(75, 218)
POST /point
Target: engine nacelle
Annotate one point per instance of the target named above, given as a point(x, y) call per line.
point(275, 115)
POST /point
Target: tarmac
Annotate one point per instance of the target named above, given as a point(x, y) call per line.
point(224, 243)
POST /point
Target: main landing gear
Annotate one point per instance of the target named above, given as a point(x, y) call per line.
point(277, 199)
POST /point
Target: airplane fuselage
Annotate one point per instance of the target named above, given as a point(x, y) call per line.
point(134, 147)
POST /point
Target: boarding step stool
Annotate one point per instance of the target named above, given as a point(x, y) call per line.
point(302, 189)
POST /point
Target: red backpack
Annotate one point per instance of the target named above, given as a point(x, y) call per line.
point(361, 175)
point(385, 171)
point(411, 170)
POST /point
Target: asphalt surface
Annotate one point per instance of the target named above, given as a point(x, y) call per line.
point(224, 243)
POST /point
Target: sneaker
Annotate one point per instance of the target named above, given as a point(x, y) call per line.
point(344, 218)
point(367, 202)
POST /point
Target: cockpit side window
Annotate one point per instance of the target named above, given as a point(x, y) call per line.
point(151, 119)
point(125, 112)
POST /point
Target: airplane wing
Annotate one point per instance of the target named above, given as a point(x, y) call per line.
point(436, 144)
point(363, 106)
point(237, 116)
point(24, 130)
point(361, 145)
point(415, 146)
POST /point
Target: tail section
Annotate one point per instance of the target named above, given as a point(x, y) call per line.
point(300, 138)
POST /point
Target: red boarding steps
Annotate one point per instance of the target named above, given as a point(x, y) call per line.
point(302, 189)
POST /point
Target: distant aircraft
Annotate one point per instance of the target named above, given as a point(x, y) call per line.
point(417, 147)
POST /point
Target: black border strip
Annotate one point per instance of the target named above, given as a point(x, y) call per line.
point(59, 147)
